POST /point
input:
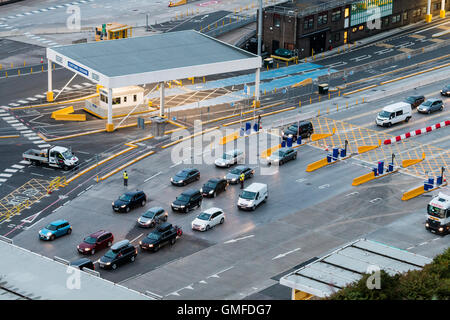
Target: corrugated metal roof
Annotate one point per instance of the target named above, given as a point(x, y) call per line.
point(347, 264)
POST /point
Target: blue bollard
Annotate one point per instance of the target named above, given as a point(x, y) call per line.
point(241, 132)
point(380, 167)
point(329, 156)
point(255, 127)
point(375, 171)
point(299, 140)
point(439, 180)
point(431, 181)
point(335, 154)
point(391, 167)
point(248, 126)
point(426, 186)
point(289, 142)
point(343, 153)
point(283, 144)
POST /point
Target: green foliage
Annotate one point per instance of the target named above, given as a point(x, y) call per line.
point(430, 283)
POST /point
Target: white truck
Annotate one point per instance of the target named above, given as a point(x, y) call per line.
point(59, 157)
point(438, 214)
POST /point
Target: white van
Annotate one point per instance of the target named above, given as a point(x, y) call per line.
point(252, 196)
point(394, 113)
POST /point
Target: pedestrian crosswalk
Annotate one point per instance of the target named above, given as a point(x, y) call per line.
point(36, 98)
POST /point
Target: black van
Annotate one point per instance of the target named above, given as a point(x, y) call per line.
point(121, 252)
point(303, 128)
point(83, 263)
point(187, 201)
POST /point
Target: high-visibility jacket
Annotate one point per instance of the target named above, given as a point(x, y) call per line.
point(242, 177)
point(125, 175)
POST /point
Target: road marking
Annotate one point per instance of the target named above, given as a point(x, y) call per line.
point(137, 238)
point(6, 175)
point(3, 180)
point(238, 239)
point(324, 186)
point(31, 137)
point(153, 176)
point(350, 194)
point(25, 162)
point(44, 145)
point(375, 200)
point(176, 164)
point(11, 170)
point(285, 254)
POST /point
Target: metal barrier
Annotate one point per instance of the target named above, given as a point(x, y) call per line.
point(56, 183)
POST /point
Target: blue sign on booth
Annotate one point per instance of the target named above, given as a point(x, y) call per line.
point(77, 68)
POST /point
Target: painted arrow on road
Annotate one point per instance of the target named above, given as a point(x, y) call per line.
point(31, 218)
point(285, 254)
point(235, 240)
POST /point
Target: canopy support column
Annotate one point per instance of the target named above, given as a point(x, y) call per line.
point(110, 125)
point(161, 99)
point(428, 17)
point(442, 12)
point(50, 81)
point(257, 91)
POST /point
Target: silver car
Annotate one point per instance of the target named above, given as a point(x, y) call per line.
point(430, 106)
point(229, 158)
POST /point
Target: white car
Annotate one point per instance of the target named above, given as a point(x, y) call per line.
point(229, 158)
point(208, 219)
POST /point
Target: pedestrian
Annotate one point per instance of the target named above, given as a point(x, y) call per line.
point(125, 178)
point(241, 179)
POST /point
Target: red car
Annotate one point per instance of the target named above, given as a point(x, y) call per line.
point(96, 241)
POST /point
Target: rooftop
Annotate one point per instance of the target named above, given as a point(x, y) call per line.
point(329, 274)
point(306, 7)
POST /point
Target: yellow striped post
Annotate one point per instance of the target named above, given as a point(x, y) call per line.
point(310, 100)
point(31, 70)
point(299, 103)
point(6, 74)
point(18, 72)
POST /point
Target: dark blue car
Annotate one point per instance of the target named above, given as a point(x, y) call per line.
point(55, 229)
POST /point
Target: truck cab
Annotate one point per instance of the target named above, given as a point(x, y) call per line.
point(62, 157)
point(438, 214)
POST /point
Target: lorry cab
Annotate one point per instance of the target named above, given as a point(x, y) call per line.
point(438, 214)
point(252, 196)
point(394, 113)
point(62, 157)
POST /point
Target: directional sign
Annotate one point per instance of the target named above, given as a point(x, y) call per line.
point(235, 240)
point(285, 254)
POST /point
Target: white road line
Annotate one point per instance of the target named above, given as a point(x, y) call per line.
point(27, 132)
point(11, 170)
point(22, 101)
point(25, 162)
point(44, 145)
point(37, 142)
point(17, 166)
point(16, 124)
point(6, 175)
point(21, 128)
point(12, 121)
point(3, 180)
point(9, 118)
point(33, 137)
point(153, 176)
point(137, 237)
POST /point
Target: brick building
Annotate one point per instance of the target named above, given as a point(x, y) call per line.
point(319, 25)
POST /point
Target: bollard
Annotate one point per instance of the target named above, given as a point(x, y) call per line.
point(310, 100)
point(329, 156)
point(248, 127)
point(439, 180)
point(426, 186)
point(375, 171)
point(31, 70)
point(255, 127)
point(391, 167)
point(318, 112)
point(278, 65)
point(329, 95)
point(283, 143)
point(299, 140)
point(339, 93)
point(24, 63)
point(42, 69)
point(299, 103)
point(328, 110)
point(381, 167)
point(289, 142)
point(242, 132)
point(335, 154)
point(337, 107)
point(431, 181)
point(343, 153)
point(18, 72)
point(319, 98)
point(6, 74)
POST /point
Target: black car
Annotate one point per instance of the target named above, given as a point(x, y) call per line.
point(213, 187)
point(187, 200)
point(234, 174)
point(120, 253)
point(129, 200)
point(446, 91)
point(282, 156)
point(303, 128)
point(152, 216)
point(185, 176)
point(415, 101)
point(83, 263)
point(166, 233)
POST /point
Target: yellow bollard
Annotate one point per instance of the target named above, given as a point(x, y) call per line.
point(287, 63)
point(11, 65)
point(310, 100)
point(267, 67)
point(42, 68)
point(6, 74)
point(339, 50)
point(264, 91)
point(18, 72)
point(329, 96)
point(346, 105)
point(328, 110)
point(204, 80)
point(31, 70)
point(54, 66)
point(275, 90)
point(216, 24)
point(319, 98)
point(339, 93)
point(318, 112)
point(306, 60)
point(363, 100)
point(278, 65)
point(356, 101)
point(24, 63)
point(337, 107)
point(300, 103)
point(223, 23)
point(0, 66)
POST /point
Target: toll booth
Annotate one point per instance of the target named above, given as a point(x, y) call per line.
point(323, 88)
point(158, 126)
point(124, 100)
point(110, 31)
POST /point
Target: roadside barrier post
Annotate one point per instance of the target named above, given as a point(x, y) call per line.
point(381, 167)
point(299, 140)
point(289, 142)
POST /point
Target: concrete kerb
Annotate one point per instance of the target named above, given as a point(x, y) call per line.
point(57, 103)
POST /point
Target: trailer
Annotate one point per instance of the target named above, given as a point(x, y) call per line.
point(58, 157)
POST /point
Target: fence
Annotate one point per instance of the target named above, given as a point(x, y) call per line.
point(221, 29)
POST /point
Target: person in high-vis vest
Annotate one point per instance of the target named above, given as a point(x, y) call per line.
point(241, 179)
point(125, 178)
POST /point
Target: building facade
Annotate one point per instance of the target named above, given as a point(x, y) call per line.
point(311, 27)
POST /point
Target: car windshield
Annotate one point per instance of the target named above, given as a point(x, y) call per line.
point(153, 236)
point(182, 173)
point(384, 114)
point(90, 240)
point(149, 214)
point(410, 99)
point(427, 103)
point(248, 195)
point(211, 185)
point(436, 212)
point(183, 198)
point(236, 171)
point(125, 197)
point(204, 216)
point(293, 128)
point(111, 254)
point(51, 227)
point(67, 154)
point(227, 156)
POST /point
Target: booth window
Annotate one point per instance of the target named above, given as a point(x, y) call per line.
point(134, 98)
point(124, 99)
point(116, 100)
point(104, 98)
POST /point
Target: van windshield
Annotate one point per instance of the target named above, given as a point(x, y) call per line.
point(248, 195)
point(384, 114)
point(436, 212)
point(67, 154)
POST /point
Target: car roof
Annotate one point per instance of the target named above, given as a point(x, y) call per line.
point(241, 167)
point(395, 106)
point(98, 233)
point(434, 99)
point(215, 180)
point(155, 209)
point(80, 262)
point(285, 149)
point(58, 222)
point(120, 244)
point(212, 210)
point(190, 192)
point(256, 187)
point(164, 226)
point(233, 151)
point(132, 193)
